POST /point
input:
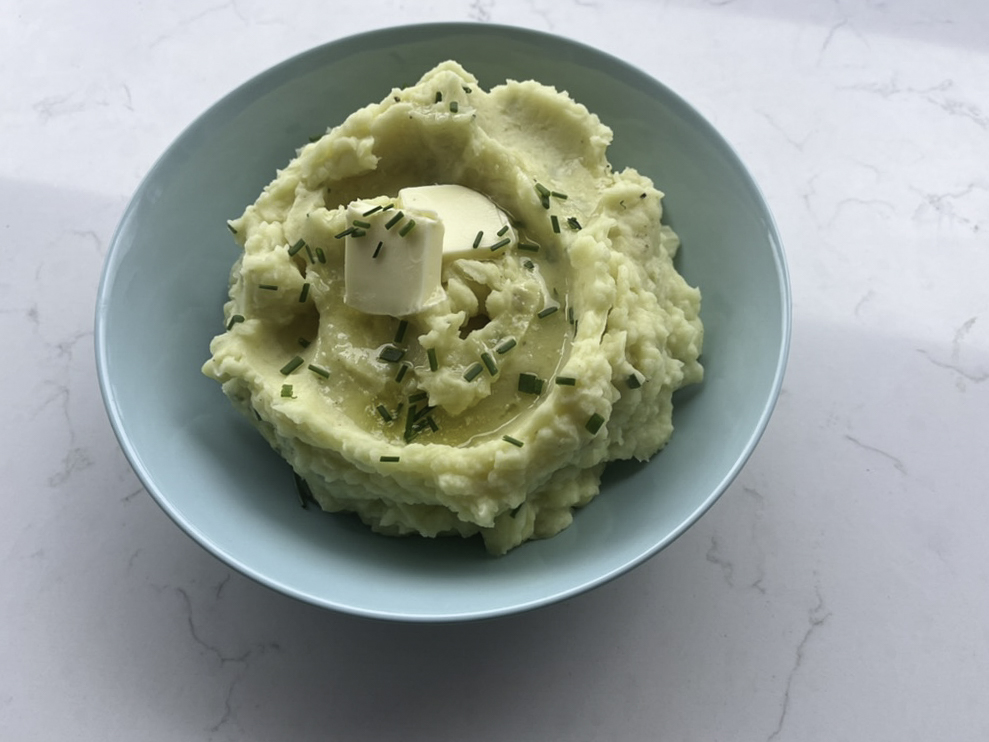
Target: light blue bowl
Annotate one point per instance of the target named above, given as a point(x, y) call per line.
point(165, 281)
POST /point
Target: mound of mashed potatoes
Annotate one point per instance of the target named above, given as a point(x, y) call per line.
point(492, 406)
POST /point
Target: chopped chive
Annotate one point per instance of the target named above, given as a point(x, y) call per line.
point(358, 232)
point(594, 423)
point(489, 363)
point(418, 397)
point(407, 228)
point(473, 372)
point(391, 354)
point(302, 487)
point(372, 210)
point(505, 346)
point(500, 244)
point(566, 381)
point(529, 265)
point(431, 357)
point(513, 441)
point(304, 294)
point(344, 233)
point(232, 228)
point(387, 207)
point(234, 320)
point(362, 225)
point(439, 97)
point(309, 254)
point(287, 390)
point(389, 459)
point(633, 381)
point(454, 106)
point(303, 342)
point(431, 423)
point(502, 231)
point(315, 138)
point(291, 365)
point(467, 89)
point(530, 384)
point(319, 370)
point(570, 316)
point(385, 414)
point(403, 325)
point(399, 216)
point(402, 370)
point(320, 255)
point(556, 223)
point(642, 195)
point(477, 239)
point(557, 194)
point(573, 223)
point(268, 286)
point(377, 250)
point(529, 246)
point(542, 190)
point(547, 311)
point(296, 247)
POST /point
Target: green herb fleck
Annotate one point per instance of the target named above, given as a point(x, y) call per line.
point(513, 441)
point(556, 223)
point(320, 255)
point(454, 106)
point(501, 232)
point(304, 294)
point(377, 250)
point(385, 414)
point(473, 372)
point(633, 381)
point(566, 381)
point(362, 225)
point(373, 210)
point(302, 487)
point(268, 286)
point(402, 370)
point(547, 311)
point(501, 243)
point(358, 232)
point(573, 223)
point(234, 320)
point(505, 346)
point(287, 390)
point(439, 96)
point(557, 194)
point(389, 459)
point(431, 357)
point(292, 365)
point(303, 342)
point(232, 228)
point(530, 384)
point(529, 246)
point(418, 397)
point(407, 228)
point(489, 363)
point(399, 216)
point(296, 247)
point(542, 190)
point(319, 370)
point(391, 354)
point(403, 325)
point(309, 254)
point(594, 423)
point(477, 239)
point(344, 233)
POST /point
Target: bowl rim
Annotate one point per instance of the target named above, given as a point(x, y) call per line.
point(114, 256)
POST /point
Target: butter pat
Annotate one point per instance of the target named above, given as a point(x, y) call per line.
point(464, 213)
point(393, 259)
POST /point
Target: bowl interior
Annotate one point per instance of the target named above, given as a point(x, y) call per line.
point(165, 281)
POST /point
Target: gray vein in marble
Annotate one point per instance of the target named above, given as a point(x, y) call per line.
point(947, 204)
point(714, 557)
point(184, 23)
point(480, 10)
point(896, 462)
point(935, 95)
point(816, 618)
point(976, 377)
point(866, 298)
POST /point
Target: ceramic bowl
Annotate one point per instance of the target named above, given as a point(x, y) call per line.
point(165, 281)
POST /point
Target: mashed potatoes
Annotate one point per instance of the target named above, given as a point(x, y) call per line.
point(493, 408)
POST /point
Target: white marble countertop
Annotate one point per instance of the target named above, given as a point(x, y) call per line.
point(838, 591)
